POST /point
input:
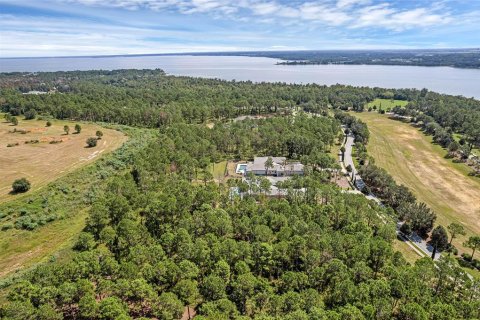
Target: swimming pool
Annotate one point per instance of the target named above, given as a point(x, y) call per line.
point(241, 168)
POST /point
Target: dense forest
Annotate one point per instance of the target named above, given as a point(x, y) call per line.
point(458, 58)
point(161, 234)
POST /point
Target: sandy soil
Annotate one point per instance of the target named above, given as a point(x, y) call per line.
point(44, 162)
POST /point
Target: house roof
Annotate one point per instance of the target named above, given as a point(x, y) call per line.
point(258, 164)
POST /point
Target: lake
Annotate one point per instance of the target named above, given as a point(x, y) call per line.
point(448, 80)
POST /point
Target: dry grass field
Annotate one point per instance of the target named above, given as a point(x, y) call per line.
point(44, 162)
point(410, 157)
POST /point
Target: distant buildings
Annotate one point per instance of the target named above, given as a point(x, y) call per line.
point(274, 166)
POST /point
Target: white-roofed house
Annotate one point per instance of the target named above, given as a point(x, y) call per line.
point(279, 167)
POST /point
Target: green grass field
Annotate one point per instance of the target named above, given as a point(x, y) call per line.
point(385, 104)
point(218, 170)
point(410, 157)
point(21, 249)
point(409, 254)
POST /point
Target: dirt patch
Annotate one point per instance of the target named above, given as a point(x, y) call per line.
point(38, 130)
point(54, 155)
point(341, 181)
point(188, 313)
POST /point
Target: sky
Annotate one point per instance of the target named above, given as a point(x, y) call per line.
point(33, 28)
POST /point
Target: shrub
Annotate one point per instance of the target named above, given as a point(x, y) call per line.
point(51, 217)
point(84, 242)
point(66, 129)
point(14, 121)
point(21, 185)
point(454, 251)
point(78, 128)
point(30, 114)
point(99, 134)
point(476, 263)
point(26, 222)
point(406, 229)
point(92, 142)
point(466, 257)
point(49, 124)
point(7, 226)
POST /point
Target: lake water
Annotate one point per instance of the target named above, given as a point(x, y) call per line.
point(448, 80)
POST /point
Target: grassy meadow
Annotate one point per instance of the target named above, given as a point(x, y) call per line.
point(410, 157)
point(385, 104)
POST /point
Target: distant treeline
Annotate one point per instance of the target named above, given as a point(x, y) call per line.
point(149, 98)
point(458, 58)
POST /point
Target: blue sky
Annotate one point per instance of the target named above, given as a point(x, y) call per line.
point(95, 27)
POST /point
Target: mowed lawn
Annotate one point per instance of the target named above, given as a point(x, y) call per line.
point(218, 170)
point(386, 104)
point(410, 157)
point(44, 162)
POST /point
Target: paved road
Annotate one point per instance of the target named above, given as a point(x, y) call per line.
point(420, 243)
point(354, 176)
point(414, 241)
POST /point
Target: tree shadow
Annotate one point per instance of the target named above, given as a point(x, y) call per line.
point(13, 192)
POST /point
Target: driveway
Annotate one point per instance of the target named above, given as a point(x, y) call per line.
point(414, 241)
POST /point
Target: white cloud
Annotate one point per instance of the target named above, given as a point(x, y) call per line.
point(350, 3)
point(355, 13)
point(325, 14)
point(154, 26)
point(385, 16)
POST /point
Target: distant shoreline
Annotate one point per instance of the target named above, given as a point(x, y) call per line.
point(463, 58)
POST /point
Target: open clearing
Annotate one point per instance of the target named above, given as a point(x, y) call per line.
point(410, 157)
point(218, 170)
point(44, 162)
point(21, 249)
point(386, 104)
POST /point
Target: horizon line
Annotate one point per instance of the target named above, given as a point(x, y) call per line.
point(231, 52)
